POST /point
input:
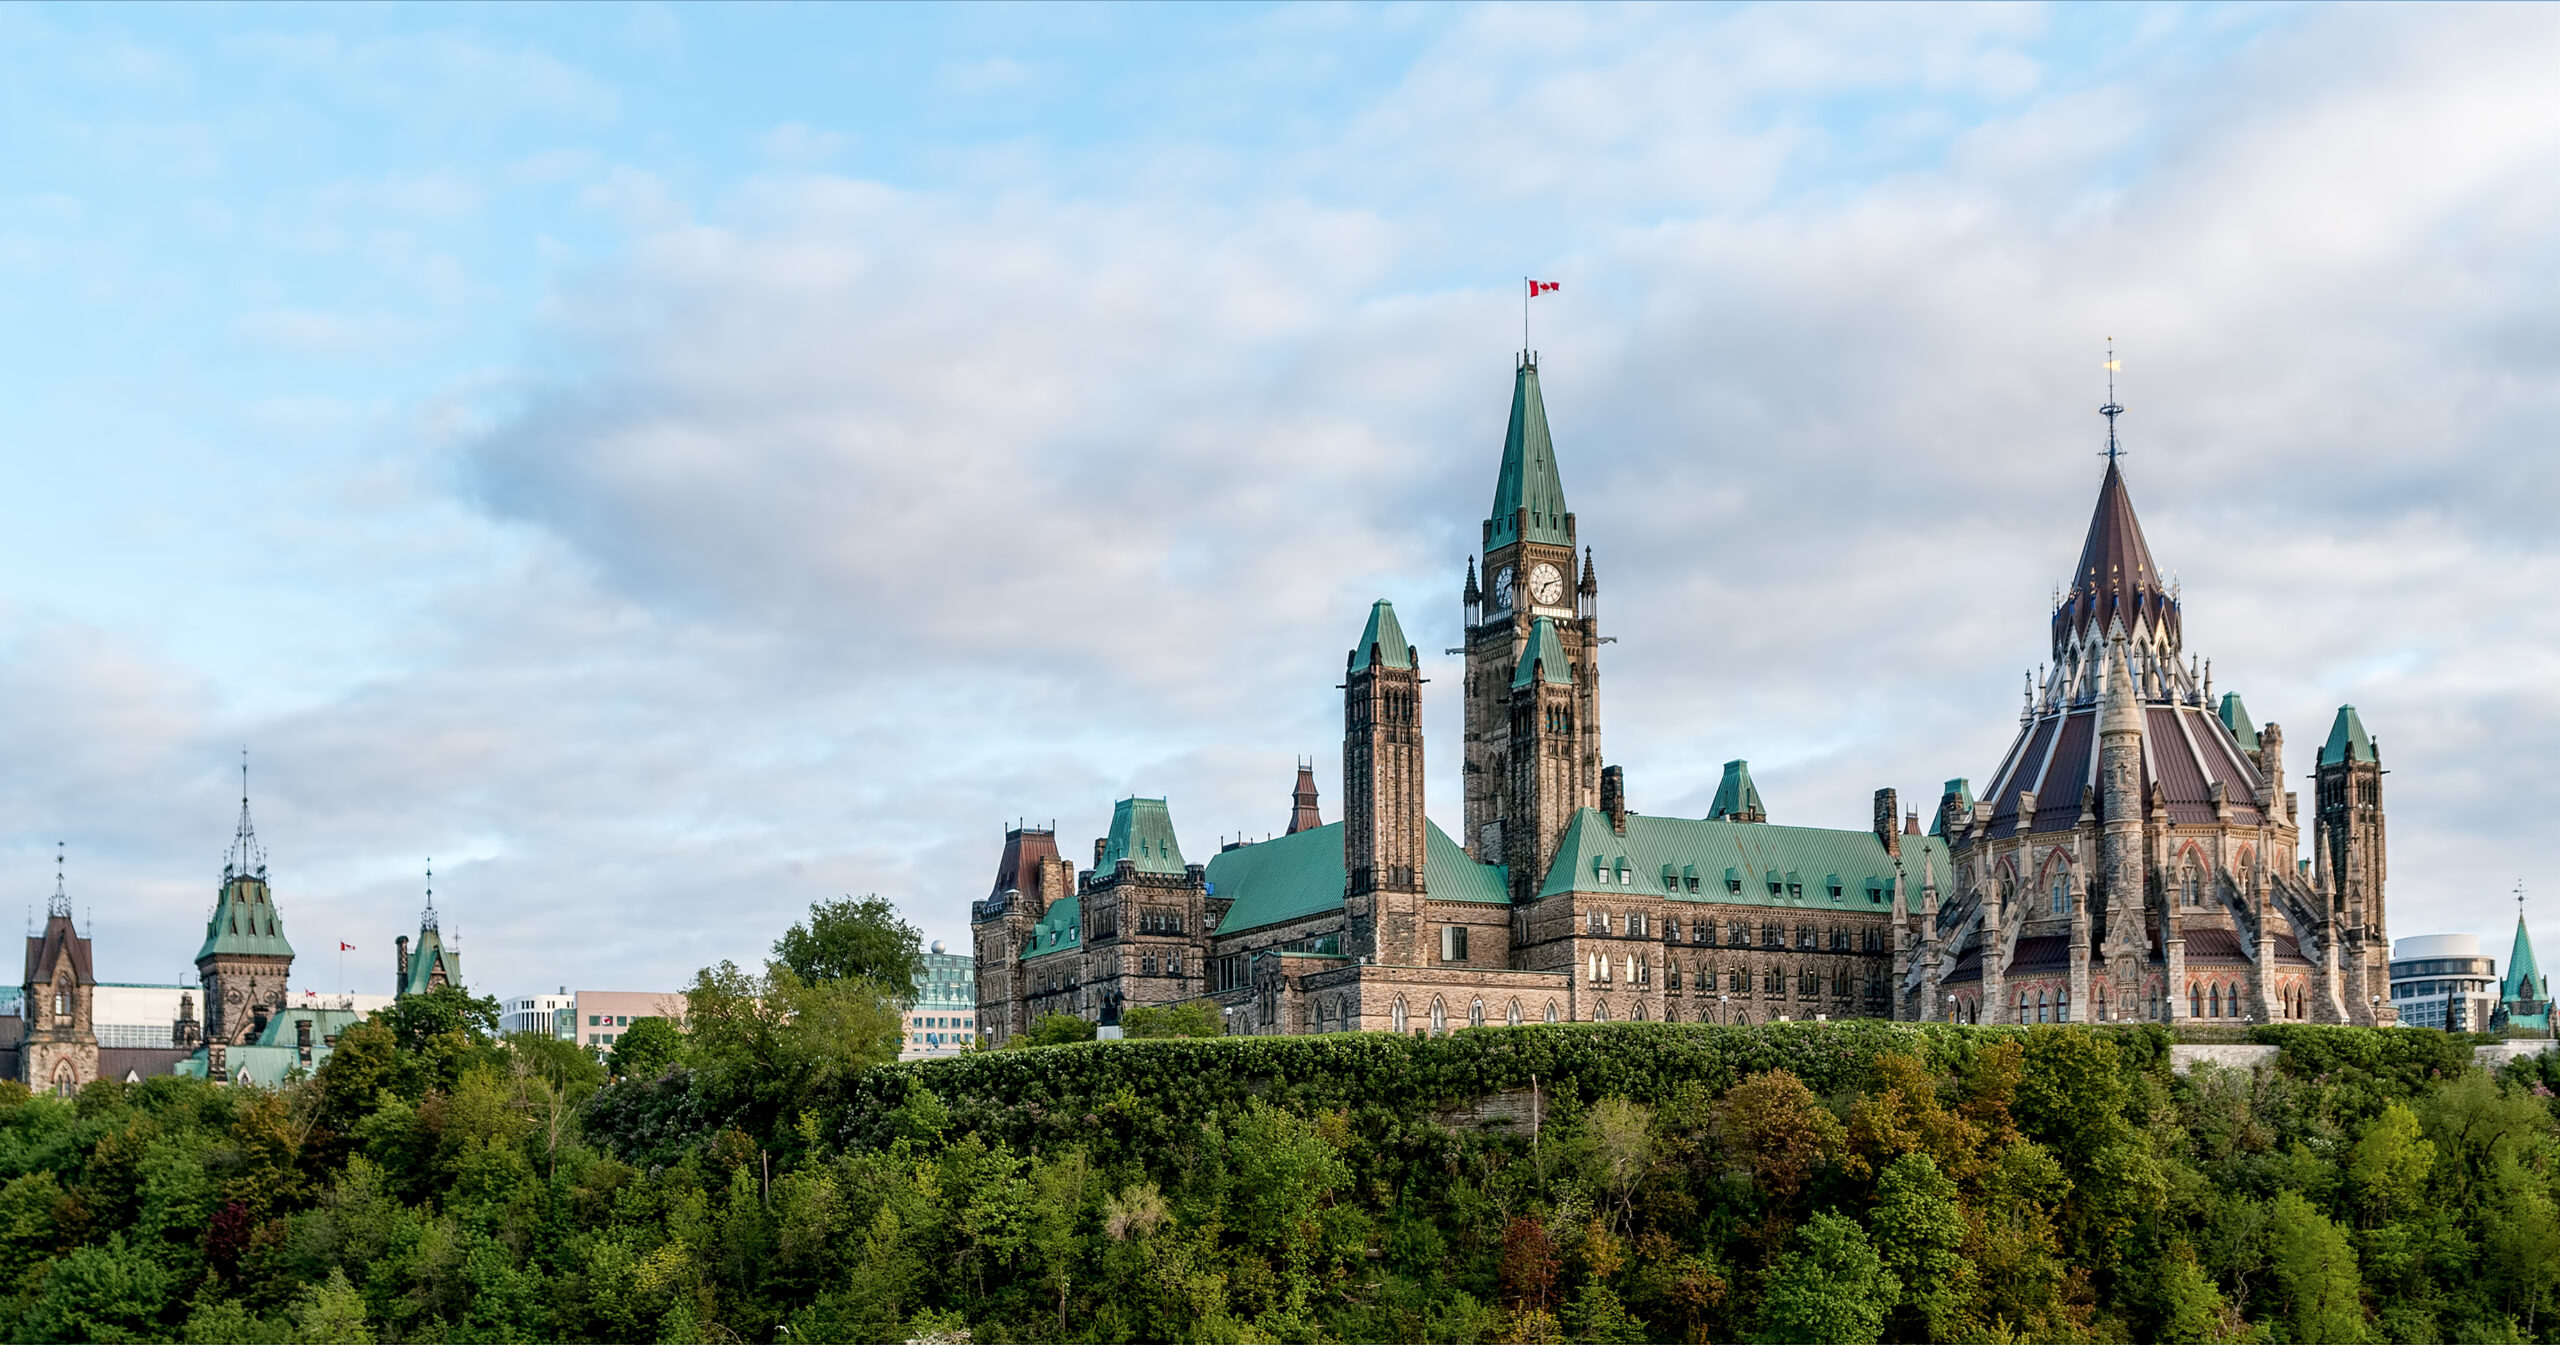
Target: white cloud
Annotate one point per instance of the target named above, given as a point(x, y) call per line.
point(832, 523)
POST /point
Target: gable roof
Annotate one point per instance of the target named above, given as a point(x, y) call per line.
point(426, 956)
point(1382, 641)
point(244, 921)
point(1528, 479)
point(1300, 875)
point(60, 942)
point(2347, 740)
point(1059, 929)
point(1735, 863)
point(1543, 657)
point(1141, 829)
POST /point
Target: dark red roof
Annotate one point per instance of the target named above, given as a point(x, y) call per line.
point(58, 939)
point(2116, 578)
point(1302, 812)
point(2041, 953)
point(1024, 848)
point(2212, 943)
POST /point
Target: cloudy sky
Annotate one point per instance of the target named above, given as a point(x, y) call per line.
point(674, 465)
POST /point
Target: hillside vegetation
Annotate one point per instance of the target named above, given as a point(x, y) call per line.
point(1808, 1182)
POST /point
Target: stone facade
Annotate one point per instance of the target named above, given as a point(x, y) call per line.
point(2134, 858)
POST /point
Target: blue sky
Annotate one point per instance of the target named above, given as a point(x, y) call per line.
point(674, 464)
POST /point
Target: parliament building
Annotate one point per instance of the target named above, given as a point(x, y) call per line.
point(2135, 855)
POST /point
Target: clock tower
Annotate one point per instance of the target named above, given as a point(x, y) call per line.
point(1533, 584)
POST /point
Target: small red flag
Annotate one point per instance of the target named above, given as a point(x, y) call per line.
point(1538, 287)
point(346, 947)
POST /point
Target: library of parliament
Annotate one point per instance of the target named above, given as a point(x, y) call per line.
point(2134, 855)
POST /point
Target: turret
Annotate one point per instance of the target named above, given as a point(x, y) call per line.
point(1382, 816)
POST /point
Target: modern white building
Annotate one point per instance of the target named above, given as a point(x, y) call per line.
point(554, 1014)
point(2444, 981)
point(943, 1020)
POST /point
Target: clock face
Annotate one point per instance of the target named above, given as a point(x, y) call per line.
point(1546, 585)
point(1502, 590)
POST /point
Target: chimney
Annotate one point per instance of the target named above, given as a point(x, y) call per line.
point(1613, 797)
point(400, 981)
point(1888, 810)
point(1100, 843)
point(1911, 822)
point(215, 1069)
point(302, 1040)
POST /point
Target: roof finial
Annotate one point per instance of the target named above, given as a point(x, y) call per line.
point(61, 903)
point(427, 918)
point(2111, 410)
point(247, 857)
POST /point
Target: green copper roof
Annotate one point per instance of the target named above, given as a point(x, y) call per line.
point(1735, 863)
point(1737, 797)
point(2524, 976)
point(1529, 479)
point(1059, 929)
point(244, 921)
point(2235, 717)
point(1383, 641)
point(2347, 740)
point(424, 957)
point(1300, 875)
point(1142, 830)
point(1962, 788)
point(1544, 656)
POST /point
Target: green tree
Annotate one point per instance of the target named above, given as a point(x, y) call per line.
point(1598, 1318)
point(1773, 1127)
point(2317, 1271)
point(331, 1313)
point(854, 938)
point(1919, 1229)
point(1829, 1288)
point(2390, 1165)
point(645, 1049)
point(1056, 1029)
point(763, 1044)
point(107, 1292)
point(1191, 1018)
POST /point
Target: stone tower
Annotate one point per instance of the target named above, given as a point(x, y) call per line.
point(245, 961)
point(2349, 867)
point(60, 1054)
point(1533, 580)
point(1545, 759)
point(1382, 821)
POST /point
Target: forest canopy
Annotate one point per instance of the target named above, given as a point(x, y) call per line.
point(775, 1178)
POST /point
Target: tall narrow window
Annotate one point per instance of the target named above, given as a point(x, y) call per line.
point(2061, 894)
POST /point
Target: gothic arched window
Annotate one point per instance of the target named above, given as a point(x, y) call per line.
point(2062, 1005)
point(1551, 1011)
point(2062, 894)
point(2190, 886)
point(1439, 1019)
point(1395, 1016)
point(1600, 1012)
point(1512, 1015)
point(1475, 1014)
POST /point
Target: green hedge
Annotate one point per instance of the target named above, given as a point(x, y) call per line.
point(2403, 1059)
point(1136, 1092)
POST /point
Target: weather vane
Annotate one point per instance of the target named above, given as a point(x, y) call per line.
point(2111, 410)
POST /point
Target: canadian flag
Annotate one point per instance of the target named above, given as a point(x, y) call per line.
point(346, 947)
point(1538, 287)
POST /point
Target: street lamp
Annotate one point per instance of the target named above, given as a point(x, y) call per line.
point(1951, 1009)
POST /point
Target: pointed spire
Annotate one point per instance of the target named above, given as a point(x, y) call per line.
point(1302, 813)
point(2523, 980)
point(1529, 480)
point(61, 902)
point(1382, 641)
point(427, 918)
point(246, 858)
point(1543, 659)
point(2348, 740)
point(1471, 595)
point(2116, 580)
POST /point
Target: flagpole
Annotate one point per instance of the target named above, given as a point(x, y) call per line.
point(1524, 316)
